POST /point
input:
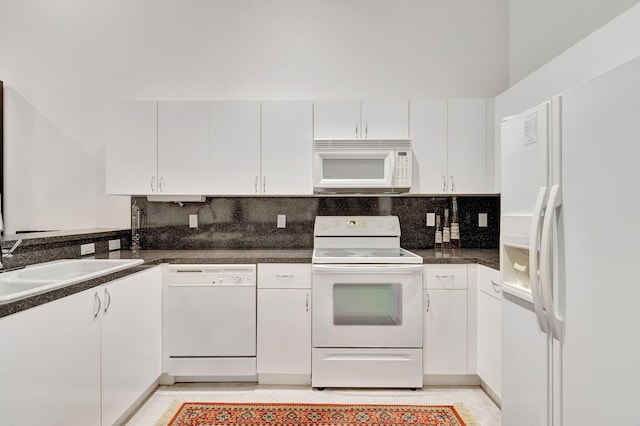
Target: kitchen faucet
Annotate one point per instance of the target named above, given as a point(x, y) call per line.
point(6, 253)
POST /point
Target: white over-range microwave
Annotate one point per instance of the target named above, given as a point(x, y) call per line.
point(361, 166)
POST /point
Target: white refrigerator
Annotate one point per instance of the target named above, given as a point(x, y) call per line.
point(570, 246)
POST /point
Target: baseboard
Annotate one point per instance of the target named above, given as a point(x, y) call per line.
point(284, 379)
point(491, 393)
point(451, 380)
point(137, 404)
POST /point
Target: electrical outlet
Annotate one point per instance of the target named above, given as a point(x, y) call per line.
point(282, 221)
point(482, 220)
point(193, 221)
point(114, 245)
point(87, 249)
point(431, 219)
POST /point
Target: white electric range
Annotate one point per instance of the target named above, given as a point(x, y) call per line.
point(367, 305)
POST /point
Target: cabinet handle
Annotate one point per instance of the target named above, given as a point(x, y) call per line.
point(444, 277)
point(428, 302)
point(153, 184)
point(444, 184)
point(285, 276)
point(356, 130)
point(96, 298)
point(255, 185)
point(366, 130)
point(306, 303)
point(107, 300)
point(496, 287)
point(453, 185)
point(264, 184)
point(160, 183)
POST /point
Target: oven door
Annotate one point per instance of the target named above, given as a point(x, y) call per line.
point(335, 170)
point(367, 306)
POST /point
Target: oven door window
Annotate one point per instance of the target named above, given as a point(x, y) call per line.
point(367, 304)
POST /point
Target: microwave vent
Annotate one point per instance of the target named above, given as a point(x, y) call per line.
point(358, 144)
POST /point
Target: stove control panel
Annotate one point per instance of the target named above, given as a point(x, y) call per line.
point(357, 226)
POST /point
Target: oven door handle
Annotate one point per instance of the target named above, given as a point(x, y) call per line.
point(359, 269)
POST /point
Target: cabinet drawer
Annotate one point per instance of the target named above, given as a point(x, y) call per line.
point(489, 281)
point(284, 275)
point(445, 277)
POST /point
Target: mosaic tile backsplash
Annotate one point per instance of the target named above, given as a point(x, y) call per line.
point(250, 222)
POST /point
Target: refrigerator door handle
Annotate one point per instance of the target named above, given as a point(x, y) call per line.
point(533, 260)
point(546, 259)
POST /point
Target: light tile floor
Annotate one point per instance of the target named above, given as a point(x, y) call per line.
point(474, 399)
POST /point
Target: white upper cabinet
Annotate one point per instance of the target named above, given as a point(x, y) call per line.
point(158, 148)
point(287, 140)
point(132, 148)
point(385, 119)
point(234, 148)
point(351, 119)
point(467, 129)
point(183, 130)
point(429, 144)
point(336, 119)
point(449, 141)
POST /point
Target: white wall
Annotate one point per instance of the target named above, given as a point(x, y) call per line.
point(541, 30)
point(612, 45)
point(61, 61)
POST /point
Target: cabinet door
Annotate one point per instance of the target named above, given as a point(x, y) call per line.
point(490, 341)
point(429, 143)
point(336, 119)
point(287, 140)
point(132, 148)
point(385, 119)
point(183, 130)
point(284, 331)
point(445, 332)
point(50, 363)
point(131, 341)
point(234, 146)
point(467, 129)
point(490, 329)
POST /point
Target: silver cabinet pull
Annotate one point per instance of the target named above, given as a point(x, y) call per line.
point(160, 183)
point(264, 184)
point(285, 276)
point(366, 130)
point(444, 277)
point(255, 185)
point(444, 184)
point(306, 303)
point(356, 130)
point(453, 185)
point(496, 287)
point(153, 184)
point(96, 298)
point(107, 300)
point(428, 302)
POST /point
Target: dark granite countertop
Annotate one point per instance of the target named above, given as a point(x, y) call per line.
point(487, 257)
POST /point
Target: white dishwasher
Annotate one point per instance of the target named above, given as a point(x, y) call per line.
point(210, 322)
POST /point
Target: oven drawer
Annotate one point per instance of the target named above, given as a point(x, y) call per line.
point(284, 275)
point(445, 277)
point(369, 368)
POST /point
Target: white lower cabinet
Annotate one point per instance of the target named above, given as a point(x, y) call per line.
point(490, 329)
point(50, 363)
point(284, 324)
point(76, 363)
point(445, 342)
point(131, 341)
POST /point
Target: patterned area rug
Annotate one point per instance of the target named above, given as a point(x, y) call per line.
point(215, 414)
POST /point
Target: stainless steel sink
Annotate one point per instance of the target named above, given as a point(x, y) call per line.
point(43, 277)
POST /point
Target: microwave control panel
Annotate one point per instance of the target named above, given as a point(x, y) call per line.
point(403, 168)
